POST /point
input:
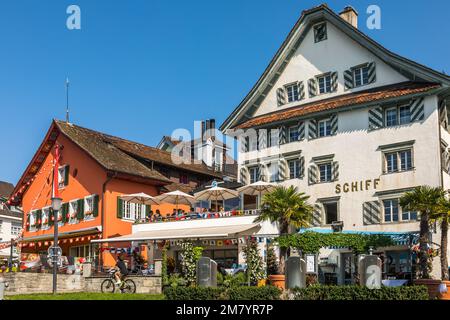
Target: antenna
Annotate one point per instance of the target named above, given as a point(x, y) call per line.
point(67, 100)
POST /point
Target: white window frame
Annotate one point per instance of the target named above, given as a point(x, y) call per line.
point(273, 170)
point(401, 212)
point(61, 176)
point(360, 70)
point(397, 153)
point(295, 129)
point(292, 92)
point(325, 211)
point(32, 217)
point(297, 168)
point(253, 176)
point(272, 137)
point(88, 214)
point(327, 88)
point(15, 228)
point(47, 212)
point(132, 211)
point(73, 211)
point(327, 163)
point(326, 122)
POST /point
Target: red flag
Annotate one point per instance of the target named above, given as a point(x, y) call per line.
point(55, 173)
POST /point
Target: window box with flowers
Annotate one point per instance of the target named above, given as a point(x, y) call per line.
point(90, 207)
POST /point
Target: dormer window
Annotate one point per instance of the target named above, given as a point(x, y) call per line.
point(320, 32)
point(324, 83)
point(361, 76)
point(292, 92)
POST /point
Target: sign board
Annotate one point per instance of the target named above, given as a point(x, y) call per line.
point(311, 263)
point(370, 271)
point(54, 251)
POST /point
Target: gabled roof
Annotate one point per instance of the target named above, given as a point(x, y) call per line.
point(372, 96)
point(409, 68)
point(6, 189)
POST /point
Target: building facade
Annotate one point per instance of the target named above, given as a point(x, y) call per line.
point(95, 170)
point(352, 125)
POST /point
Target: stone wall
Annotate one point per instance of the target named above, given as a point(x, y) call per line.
point(29, 283)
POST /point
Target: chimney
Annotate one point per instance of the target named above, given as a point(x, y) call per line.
point(350, 15)
point(212, 126)
point(207, 127)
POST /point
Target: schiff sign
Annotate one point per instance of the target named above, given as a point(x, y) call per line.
point(356, 186)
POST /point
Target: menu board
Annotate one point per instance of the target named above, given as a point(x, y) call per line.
point(311, 263)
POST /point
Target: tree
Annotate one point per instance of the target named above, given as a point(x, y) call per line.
point(443, 217)
point(425, 200)
point(189, 257)
point(255, 268)
point(272, 263)
point(290, 209)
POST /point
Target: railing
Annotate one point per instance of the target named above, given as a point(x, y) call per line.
point(199, 216)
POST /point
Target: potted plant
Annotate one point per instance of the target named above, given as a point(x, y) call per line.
point(290, 210)
point(255, 270)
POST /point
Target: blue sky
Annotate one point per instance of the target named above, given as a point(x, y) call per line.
point(141, 68)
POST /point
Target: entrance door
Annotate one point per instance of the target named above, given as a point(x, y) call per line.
point(348, 268)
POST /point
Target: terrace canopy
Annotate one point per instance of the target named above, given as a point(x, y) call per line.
point(230, 231)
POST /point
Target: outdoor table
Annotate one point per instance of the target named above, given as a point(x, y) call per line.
point(393, 283)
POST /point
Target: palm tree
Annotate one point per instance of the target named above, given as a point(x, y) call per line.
point(443, 217)
point(290, 209)
point(425, 200)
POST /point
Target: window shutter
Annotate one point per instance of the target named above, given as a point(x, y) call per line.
point(417, 110)
point(80, 209)
point(38, 217)
point(301, 90)
point(95, 212)
point(312, 174)
point(243, 176)
point(334, 81)
point(119, 207)
point(27, 225)
point(64, 210)
point(282, 135)
point(371, 212)
point(312, 87)
point(371, 73)
point(66, 175)
point(301, 130)
point(317, 215)
point(245, 144)
point(335, 171)
point(312, 129)
point(262, 139)
point(281, 96)
point(260, 170)
point(376, 118)
point(348, 79)
point(334, 123)
point(51, 215)
point(282, 168)
point(443, 114)
point(302, 167)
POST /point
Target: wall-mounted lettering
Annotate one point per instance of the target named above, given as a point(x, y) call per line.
point(357, 186)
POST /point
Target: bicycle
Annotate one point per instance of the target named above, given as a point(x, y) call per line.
point(109, 285)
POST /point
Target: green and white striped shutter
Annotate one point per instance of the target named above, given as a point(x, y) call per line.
point(262, 139)
point(282, 135)
point(312, 87)
point(301, 90)
point(334, 81)
point(313, 174)
point(372, 75)
point(281, 97)
point(244, 139)
point(261, 170)
point(334, 123)
point(371, 212)
point(282, 169)
point(335, 171)
point(312, 129)
point(301, 130)
point(317, 215)
point(417, 109)
point(376, 118)
point(243, 176)
point(348, 79)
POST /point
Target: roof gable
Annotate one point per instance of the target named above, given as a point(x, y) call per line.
point(268, 80)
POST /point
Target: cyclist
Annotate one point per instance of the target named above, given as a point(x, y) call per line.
point(121, 269)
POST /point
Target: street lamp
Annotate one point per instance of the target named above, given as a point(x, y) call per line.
point(56, 206)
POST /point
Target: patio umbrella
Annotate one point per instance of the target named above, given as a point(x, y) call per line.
point(257, 188)
point(216, 193)
point(176, 197)
point(140, 198)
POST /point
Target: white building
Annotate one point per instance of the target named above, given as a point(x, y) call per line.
point(10, 223)
point(349, 123)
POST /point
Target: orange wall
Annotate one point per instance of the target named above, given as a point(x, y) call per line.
point(89, 180)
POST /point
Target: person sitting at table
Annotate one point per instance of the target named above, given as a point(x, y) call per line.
point(149, 216)
point(157, 216)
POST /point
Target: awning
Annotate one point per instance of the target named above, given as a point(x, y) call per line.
point(188, 233)
point(399, 238)
point(65, 235)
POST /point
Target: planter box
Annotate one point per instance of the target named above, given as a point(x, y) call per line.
point(446, 296)
point(278, 280)
point(432, 285)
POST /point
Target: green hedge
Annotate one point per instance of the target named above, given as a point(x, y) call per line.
point(221, 293)
point(361, 293)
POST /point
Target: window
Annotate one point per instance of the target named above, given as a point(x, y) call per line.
point(325, 172)
point(292, 92)
point(45, 217)
point(73, 209)
point(253, 142)
point(294, 169)
point(184, 179)
point(254, 174)
point(293, 134)
point(391, 210)
point(272, 137)
point(361, 76)
point(63, 173)
point(331, 212)
point(320, 32)
point(15, 228)
point(273, 171)
point(398, 115)
point(132, 211)
point(324, 83)
point(402, 157)
point(89, 207)
point(33, 220)
point(324, 127)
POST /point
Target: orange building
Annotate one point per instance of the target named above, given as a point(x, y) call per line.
point(95, 169)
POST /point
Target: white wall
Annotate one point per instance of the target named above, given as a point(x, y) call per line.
point(5, 231)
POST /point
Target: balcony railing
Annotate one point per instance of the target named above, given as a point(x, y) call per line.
point(199, 216)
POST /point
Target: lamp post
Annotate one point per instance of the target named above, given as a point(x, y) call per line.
point(56, 206)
